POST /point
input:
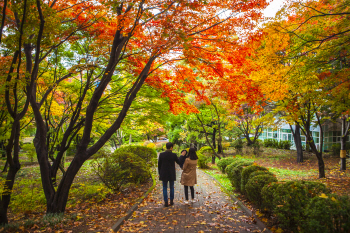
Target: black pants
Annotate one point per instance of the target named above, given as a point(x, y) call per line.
point(186, 192)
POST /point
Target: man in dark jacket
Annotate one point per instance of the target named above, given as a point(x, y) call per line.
point(166, 171)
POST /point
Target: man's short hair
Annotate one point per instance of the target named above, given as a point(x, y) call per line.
point(169, 145)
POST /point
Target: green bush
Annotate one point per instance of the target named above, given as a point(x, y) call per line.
point(205, 150)
point(223, 163)
point(229, 168)
point(238, 145)
point(149, 155)
point(203, 160)
point(290, 200)
point(336, 149)
point(29, 149)
point(103, 152)
point(121, 168)
point(273, 143)
point(328, 214)
point(270, 142)
point(284, 145)
point(255, 185)
point(246, 173)
point(267, 195)
point(256, 147)
point(260, 172)
point(234, 173)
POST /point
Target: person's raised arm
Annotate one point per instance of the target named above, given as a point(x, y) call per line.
point(176, 159)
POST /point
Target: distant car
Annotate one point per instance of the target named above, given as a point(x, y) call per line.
point(163, 139)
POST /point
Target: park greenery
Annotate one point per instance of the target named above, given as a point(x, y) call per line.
point(91, 89)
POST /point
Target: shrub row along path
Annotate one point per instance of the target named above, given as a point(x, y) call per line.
point(214, 212)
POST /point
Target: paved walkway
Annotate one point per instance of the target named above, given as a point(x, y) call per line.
point(214, 212)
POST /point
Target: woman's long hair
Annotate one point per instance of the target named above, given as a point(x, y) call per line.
point(186, 155)
point(192, 154)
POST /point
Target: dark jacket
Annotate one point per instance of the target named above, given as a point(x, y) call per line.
point(166, 165)
point(182, 160)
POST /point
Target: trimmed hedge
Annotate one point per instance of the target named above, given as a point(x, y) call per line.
point(299, 206)
point(246, 173)
point(267, 195)
point(255, 185)
point(329, 214)
point(290, 199)
point(235, 171)
point(223, 163)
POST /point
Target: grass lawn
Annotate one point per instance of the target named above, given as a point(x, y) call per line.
point(283, 164)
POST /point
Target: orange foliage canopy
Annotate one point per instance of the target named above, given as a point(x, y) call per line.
point(199, 45)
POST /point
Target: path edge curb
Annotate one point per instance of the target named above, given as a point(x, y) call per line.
point(259, 223)
point(121, 220)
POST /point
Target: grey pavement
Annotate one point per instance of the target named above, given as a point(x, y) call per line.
point(213, 212)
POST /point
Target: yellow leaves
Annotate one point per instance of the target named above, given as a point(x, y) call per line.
point(278, 230)
point(258, 213)
point(323, 195)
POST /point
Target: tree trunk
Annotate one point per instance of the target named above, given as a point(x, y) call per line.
point(345, 132)
point(213, 139)
point(207, 139)
point(130, 139)
point(57, 204)
point(321, 172)
point(220, 151)
point(297, 142)
point(14, 168)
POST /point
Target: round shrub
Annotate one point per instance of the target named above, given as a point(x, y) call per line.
point(255, 185)
point(284, 145)
point(246, 173)
point(290, 200)
point(223, 163)
point(229, 168)
point(149, 155)
point(267, 195)
point(205, 150)
point(235, 175)
point(260, 172)
point(30, 151)
point(120, 169)
point(103, 152)
point(329, 214)
point(203, 160)
point(238, 145)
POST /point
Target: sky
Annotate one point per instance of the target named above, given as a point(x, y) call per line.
point(272, 9)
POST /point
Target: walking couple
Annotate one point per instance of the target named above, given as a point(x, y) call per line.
point(167, 173)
